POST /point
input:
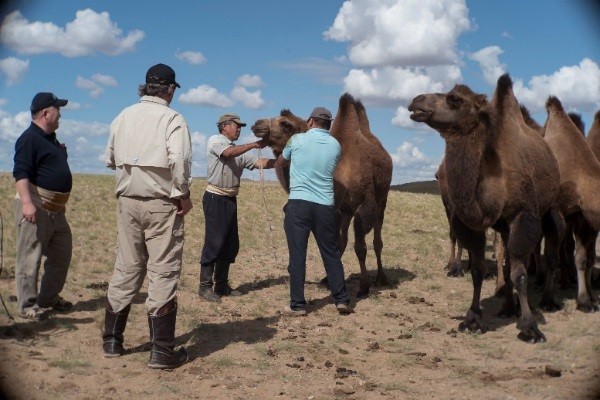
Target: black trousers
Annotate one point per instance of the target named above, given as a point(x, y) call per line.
point(301, 218)
point(221, 238)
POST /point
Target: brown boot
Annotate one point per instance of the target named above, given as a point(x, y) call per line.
point(162, 338)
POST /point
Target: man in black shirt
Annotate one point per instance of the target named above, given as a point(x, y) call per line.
point(43, 182)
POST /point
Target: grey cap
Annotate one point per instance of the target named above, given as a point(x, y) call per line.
point(322, 113)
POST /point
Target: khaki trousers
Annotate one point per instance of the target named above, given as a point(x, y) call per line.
point(150, 238)
point(50, 236)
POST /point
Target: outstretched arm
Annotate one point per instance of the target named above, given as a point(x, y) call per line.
point(234, 151)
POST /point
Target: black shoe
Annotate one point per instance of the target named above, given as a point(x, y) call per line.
point(62, 305)
point(161, 358)
point(208, 294)
point(226, 291)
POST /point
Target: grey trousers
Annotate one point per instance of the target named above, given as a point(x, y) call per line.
point(150, 238)
point(51, 237)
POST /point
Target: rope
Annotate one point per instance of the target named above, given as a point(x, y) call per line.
point(266, 208)
point(2, 262)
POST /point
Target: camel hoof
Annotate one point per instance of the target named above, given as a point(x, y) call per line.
point(588, 308)
point(455, 271)
point(550, 305)
point(382, 280)
point(532, 337)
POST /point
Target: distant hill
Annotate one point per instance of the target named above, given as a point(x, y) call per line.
point(430, 187)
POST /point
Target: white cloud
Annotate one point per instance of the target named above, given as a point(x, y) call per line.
point(576, 86)
point(104, 80)
point(191, 57)
point(490, 65)
point(389, 86)
point(205, 95)
point(410, 164)
point(248, 80)
point(92, 87)
point(251, 100)
point(11, 126)
point(14, 69)
point(400, 32)
point(95, 85)
point(89, 33)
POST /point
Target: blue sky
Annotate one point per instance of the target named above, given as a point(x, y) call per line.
point(255, 58)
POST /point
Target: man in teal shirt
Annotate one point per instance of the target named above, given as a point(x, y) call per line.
point(310, 208)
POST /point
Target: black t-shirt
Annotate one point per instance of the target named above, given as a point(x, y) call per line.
point(40, 158)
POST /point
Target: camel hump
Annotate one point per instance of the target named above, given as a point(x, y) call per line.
point(597, 117)
point(578, 121)
point(554, 102)
point(504, 95)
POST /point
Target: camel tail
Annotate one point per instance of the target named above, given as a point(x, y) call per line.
point(364, 217)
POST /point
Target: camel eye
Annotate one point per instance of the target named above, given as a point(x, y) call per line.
point(453, 101)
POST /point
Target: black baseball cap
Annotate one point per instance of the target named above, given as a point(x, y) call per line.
point(162, 74)
point(44, 100)
point(322, 113)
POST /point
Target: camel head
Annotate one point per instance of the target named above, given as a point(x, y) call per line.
point(452, 113)
point(278, 130)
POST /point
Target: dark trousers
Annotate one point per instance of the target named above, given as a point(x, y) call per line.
point(301, 218)
point(221, 239)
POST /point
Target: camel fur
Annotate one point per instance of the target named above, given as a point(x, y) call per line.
point(501, 174)
point(579, 193)
point(362, 177)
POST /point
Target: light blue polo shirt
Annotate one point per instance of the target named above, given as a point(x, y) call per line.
point(314, 156)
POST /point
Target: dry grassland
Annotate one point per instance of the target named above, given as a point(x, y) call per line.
point(400, 344)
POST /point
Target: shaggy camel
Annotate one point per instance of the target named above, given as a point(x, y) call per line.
point(501, 174)
point(593, 140)
point(362, 177)
point(579, 193)
point(454, 265)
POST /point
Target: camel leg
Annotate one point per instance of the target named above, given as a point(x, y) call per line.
point(509, 307)
point(360, 248)
point(474, 319)
point(381, 279)
point(584, 235)
point(525, 233)
point(553, 226)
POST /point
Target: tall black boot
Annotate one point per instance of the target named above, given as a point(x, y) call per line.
point(114, 326)
point(162, 338)
point(206, 283)
point(222, 287)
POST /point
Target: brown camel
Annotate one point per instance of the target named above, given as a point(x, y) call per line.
point(501, 174)
point(454, 265)
point(579, 193)
point(362, 177)
point(593, 140)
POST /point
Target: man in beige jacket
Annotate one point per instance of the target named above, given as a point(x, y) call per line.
point(150, 148)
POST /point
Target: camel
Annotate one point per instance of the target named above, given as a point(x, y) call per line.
point(362, 177)
point(593, 140)
point(501, 174)
point(579, 193)
point(454, 265)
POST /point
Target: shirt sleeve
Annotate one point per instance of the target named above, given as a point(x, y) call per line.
point(23, 158)
point(109, 153)
point(179, 150)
